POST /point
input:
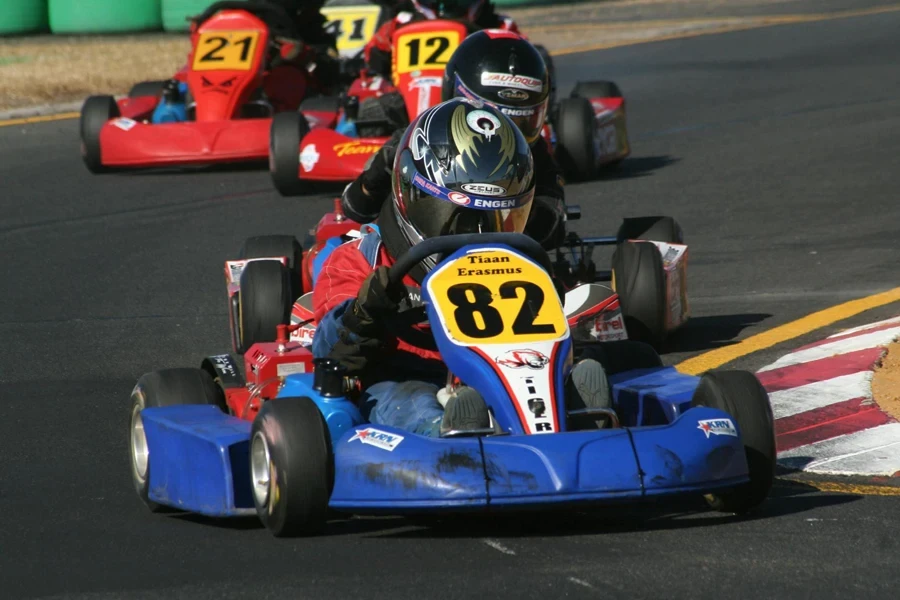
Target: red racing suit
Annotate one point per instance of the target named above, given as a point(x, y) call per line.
point(378, 49)
point(337, 286)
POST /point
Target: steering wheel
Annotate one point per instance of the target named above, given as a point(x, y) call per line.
point(404, 323)
point(446, 244)
point(274, 16)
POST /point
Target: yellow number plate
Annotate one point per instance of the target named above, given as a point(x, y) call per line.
point(353, 26)
point(420, 51)
point(496, 297)
point(225, 51)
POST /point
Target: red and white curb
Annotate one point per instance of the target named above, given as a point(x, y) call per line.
point(825, 418)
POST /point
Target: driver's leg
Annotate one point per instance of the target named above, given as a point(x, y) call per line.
point(587, 387)
point(407, 405)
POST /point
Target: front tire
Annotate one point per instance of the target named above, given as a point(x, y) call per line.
point(287, 131)
point(291, 467)
point(575, 132)
point(741, 395)
point(95, 113)
point(263, 246)
point(168, 387)
point(640, 282)
point(264, 302)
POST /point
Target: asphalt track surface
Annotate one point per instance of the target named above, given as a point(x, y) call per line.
point(775, 148)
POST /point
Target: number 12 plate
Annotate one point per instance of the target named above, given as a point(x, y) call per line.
point(496, 297)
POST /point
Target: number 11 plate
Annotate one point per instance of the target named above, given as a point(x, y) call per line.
point(496, 297)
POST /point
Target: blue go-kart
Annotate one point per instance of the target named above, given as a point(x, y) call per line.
point(299, 448)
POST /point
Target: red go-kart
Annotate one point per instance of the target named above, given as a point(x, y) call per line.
point(323, 143)
point(217, 109)
point(644, 294)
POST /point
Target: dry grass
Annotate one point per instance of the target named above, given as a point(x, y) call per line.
point(886, 382)
point(50, 69)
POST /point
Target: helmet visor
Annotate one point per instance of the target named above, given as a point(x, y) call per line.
point(435, 210)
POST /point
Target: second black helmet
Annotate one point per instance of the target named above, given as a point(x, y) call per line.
point(504, 70)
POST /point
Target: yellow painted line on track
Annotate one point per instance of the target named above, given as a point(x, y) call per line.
point(762, 21)
point(844, 488)
point(41, 119)
point(766, 339)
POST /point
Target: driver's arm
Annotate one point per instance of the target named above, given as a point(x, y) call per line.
point(363, 198)
point(351, 300)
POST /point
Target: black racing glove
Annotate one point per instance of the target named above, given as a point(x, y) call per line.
point(376, 301)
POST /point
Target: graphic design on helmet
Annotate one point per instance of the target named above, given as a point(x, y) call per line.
point(460, 168)
point(480, 123)
point(507, 80)
point(509, 94)
point(485, 189)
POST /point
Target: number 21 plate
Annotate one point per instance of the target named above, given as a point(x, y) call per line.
point(225, 51)
point(496, 297)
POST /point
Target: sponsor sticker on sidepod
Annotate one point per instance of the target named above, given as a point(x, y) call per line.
point(717, 427)
point(376, 437)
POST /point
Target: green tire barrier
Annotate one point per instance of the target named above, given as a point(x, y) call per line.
point(103, 16)
point(176, 12)
point(22, 16)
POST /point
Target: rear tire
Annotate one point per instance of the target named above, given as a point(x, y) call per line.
point(287, 131)
point(167, 387)
point(95, 112)
point(741, 395)
point(264, 303)
point(596, 89)
point(292, 467)
point(575, 132)
point(263, 246)
point(641, 285)
point(655, 229)
point(329, 104)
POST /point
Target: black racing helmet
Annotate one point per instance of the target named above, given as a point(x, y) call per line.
point(461, 167)
point(504, 70)
point(450, 9)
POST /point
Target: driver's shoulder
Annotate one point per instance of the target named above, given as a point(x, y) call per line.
point(364, 249)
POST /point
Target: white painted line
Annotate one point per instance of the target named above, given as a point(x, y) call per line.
point(865, 327)
point(811, 396)
point(874, 451)
point(499, 547)
point(580, 582)
point(860, 342)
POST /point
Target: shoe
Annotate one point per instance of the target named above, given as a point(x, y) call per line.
point(466, 410)
point(588, 388)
